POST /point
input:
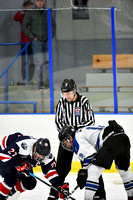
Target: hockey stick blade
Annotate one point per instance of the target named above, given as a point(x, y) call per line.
point(74, 190)
point(72, 193)
point(48, 185)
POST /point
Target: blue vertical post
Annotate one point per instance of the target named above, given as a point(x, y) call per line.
point(50, 62)
point(114, 59)
point(7, 107)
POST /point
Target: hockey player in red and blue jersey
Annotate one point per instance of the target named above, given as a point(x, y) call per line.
point(18, 155)
point(97, 147)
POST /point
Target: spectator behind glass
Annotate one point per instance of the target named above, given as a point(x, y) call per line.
point(19, 17)
point(35, 26)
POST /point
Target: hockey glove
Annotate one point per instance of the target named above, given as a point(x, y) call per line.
point(25, 168)
point(82, 177)
point(64, 191)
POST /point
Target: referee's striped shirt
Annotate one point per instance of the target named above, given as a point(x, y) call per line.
point(77, 114)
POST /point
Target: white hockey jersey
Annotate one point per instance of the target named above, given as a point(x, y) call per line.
point(87, 142)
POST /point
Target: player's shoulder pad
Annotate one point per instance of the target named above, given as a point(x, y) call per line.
point(26, 146)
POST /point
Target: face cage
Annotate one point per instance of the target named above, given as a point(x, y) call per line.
point(36, 158)
point(65, 147)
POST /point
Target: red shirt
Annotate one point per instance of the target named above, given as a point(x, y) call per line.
point(19, 17)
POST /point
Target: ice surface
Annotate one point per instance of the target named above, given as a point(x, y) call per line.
point(113, 186)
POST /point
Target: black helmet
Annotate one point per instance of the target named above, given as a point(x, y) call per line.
point(65, 134)
point(68, 85)
point(42, 147)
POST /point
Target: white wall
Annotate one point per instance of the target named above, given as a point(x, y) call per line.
point(42, 125)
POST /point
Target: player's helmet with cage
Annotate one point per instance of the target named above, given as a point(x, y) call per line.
point(42, 147)
point(68, 85)
point(64, 135)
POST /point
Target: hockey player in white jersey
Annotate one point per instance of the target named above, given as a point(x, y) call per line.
point(97, 147)
point(18, 155)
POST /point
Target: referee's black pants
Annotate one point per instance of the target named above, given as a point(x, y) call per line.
point(64, 160)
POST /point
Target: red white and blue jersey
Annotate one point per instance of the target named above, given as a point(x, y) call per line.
point(17, 148)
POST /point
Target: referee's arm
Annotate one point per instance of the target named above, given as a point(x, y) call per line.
point(59, 117)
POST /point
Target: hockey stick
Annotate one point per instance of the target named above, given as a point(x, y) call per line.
point(74, 190)
point(69, 197)
point(43, 181)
